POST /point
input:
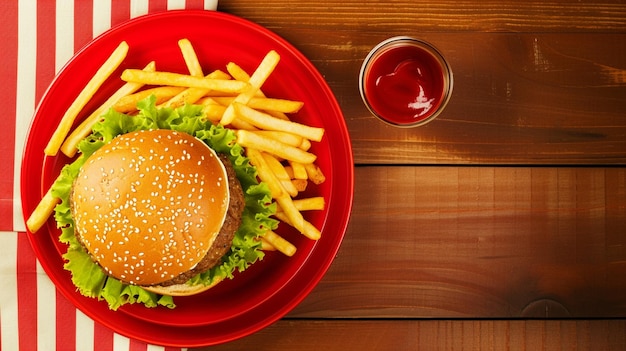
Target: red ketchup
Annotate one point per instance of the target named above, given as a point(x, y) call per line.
point(405, 84)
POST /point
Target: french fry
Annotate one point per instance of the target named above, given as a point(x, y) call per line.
point(208, 100)
point(239, 74)
point(283, 137)
point(190, 57)
point(281, 174)
point(42, 212)
point(315, 173)
point(315, 203)
point(242, 125)
point(266, 246)
point(278, 105)
point(300, 184)
point(266, 104)
point(183, 80)
point(212, 109)
point(263, 71)
point(289, 170)
point(84, 129)
point(252, 140)
point(293, 217)
point(129, 103)
point(305, 145)
point(192, 95)
point(279, 243)
point(264, 121)
point(214, 112)
point(264, 172)
point(291, 213)
point(101, 75)
point(298, 170)
point(310, 203)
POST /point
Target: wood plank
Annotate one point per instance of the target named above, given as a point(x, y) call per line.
point(435, 15)
point(493, 242)
point(340, 335)
point(529, 97)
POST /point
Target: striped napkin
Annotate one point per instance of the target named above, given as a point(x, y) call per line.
point(38, 38)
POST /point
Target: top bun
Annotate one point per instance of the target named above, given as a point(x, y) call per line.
point(148, 205)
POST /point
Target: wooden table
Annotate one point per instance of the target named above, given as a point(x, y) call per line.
point(502, 224)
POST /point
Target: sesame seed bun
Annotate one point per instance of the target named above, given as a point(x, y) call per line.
point(149, 205)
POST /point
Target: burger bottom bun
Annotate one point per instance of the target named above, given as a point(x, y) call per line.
point(181, 289)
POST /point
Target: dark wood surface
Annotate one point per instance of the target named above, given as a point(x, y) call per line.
point(500, 225)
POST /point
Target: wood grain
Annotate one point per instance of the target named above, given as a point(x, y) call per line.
point(437, 15)
point(340, 335)
point(535, 83)
point(479, 242)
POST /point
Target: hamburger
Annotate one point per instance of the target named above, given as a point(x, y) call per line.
point(160, 204)
point(153, 208)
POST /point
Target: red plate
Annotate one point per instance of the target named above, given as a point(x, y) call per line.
point(270, 288)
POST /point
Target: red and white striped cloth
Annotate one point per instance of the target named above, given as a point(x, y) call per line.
point(38, 37)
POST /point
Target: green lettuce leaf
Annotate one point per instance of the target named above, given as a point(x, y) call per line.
point(89, 279)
